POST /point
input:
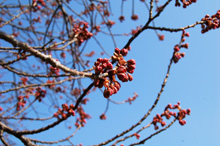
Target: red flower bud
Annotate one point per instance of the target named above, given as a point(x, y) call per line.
point(109, 65)
point(131, 67)
point(130, 77)
point(121, 69)
point(105, 60)
point(130, 71)
point(107, 93)
point(103, 117)
point(176, 49)
point(121, 76)
point(117, 51)
point(99, 59)
point(98, 69)
point(124, 52)
point(188, 111)
point(187, 34)
point(182, 122)
point(117, 85)
point(163, 123)
point(104, 65)
point(131, 62)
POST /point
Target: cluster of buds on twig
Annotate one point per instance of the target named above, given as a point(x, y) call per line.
point(130, 99)
point(66, 111)
point(111, 85)
point(37, 5)
point(137, 135)
point(103, 116)
point(80, 32)
point(185, 3)
point(24, 80)
point(54, 71)
point(22, 53)
point(21, 101)
point(40, 93)
point(167, 113)
point(212, 22)
point(123, 71)
point(178, 55)
point(81, 120)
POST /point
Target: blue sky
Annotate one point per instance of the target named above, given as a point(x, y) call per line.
point(194, 81)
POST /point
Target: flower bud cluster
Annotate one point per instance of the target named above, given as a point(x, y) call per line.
point(24, 80)
point(40, 93)
point(22, 53)
point(102, 65)
point(103, 116)
point(167, 113)
point(54, 71)
point(125, 68)
point(121, 18)
point(83, 116)
point(123, 71)
point(130, 99)
point(212, 22)
point(21, 101)
point(161, 37)
point(185, 3)
point(51, 82)
point(66, 111)
point(109, 23)
point(134, 17)
point(177, 55)
point(137, 135)
point(38, 4)
point(80, 32)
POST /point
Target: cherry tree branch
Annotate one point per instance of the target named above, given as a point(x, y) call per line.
point(159, 131)
point(25, 140)
point(58, 141)
point(43, 57)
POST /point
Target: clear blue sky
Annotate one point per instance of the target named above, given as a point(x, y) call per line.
point(194, 81)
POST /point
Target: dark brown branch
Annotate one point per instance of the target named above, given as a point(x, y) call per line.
point(26, 141)
point(58, 141)
point(2, 138)
point(83, 95)
point(37, 85)
point(175, 29)
point(46, 58)
point(146, 25)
